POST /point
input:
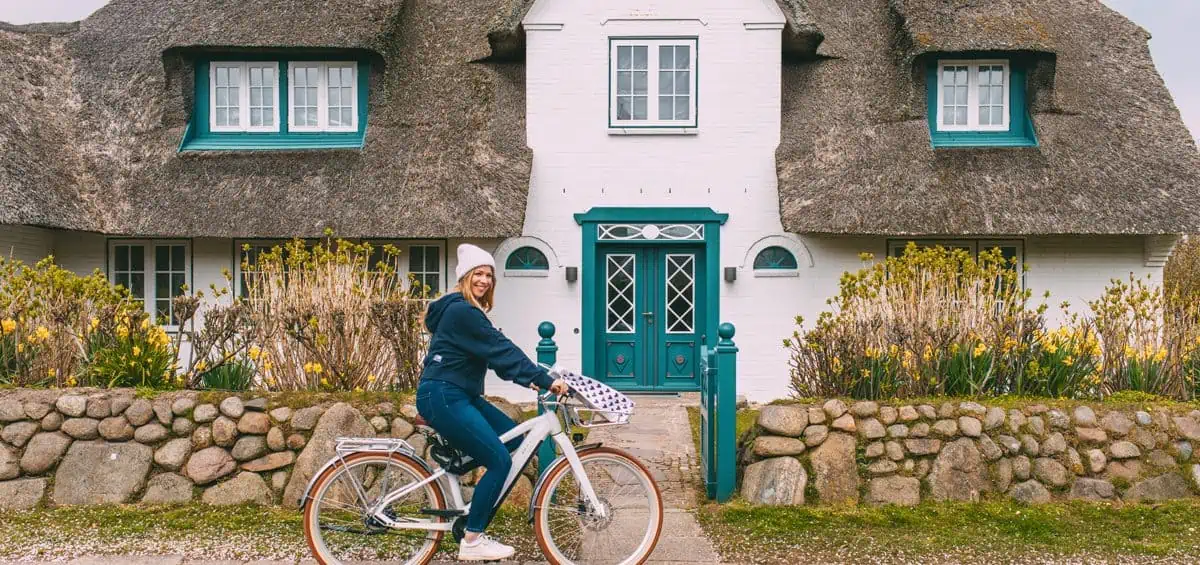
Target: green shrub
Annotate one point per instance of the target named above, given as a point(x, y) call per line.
point(49, 317)
point(931, 322)
point(333, 316)
point(234, 376)
point(136, 354)
point(936, 322)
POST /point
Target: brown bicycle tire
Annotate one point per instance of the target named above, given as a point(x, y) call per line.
point(562, 467)
point(401, 459)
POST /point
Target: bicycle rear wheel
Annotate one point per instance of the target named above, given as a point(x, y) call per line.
point(337, 522)
point(570, 531)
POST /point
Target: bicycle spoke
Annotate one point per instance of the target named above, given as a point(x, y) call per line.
point(623, 529)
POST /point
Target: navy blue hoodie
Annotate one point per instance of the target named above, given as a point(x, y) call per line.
point(465, 345)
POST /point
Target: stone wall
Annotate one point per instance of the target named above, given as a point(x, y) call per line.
point(966, 451)
point(89, 446)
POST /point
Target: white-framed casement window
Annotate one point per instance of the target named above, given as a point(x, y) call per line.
point(653, 82)
point(243, 96)
point(1009, 249)
point(973, 95)
point(322, 96)
point(425, 267)
point(155, 272)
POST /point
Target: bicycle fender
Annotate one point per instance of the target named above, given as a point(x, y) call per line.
point(335, 460)
point(542, 479)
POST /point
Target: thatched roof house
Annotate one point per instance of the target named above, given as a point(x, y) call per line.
point(1113, 155)
point(444, 154)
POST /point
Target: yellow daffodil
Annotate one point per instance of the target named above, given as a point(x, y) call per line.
point(371, 378)
point(201, 365)
point(1068, 361)
point(145, 323)
point(122, 332)
point(837, 365)
point(95, 323)
point(979, 350)
point(1051, 348)
point(1162, 354)
point(9, 325)
point(254, 352)
point(324, 381)
point(42, 333)
point(71, 381)
point(137, 351)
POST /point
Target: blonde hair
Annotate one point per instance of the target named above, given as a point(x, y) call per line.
point(489, 298)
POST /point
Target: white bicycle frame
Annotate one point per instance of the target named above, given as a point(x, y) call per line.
point(535, 430)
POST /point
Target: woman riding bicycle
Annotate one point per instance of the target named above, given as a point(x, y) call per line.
point(464, 345)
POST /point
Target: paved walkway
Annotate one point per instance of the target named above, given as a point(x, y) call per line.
point(659, 435)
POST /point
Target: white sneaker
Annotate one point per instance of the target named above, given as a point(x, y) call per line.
point(484, 549)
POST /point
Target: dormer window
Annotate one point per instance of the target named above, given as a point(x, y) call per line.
point(244, 97)
point(973, 96)
point(652, 83)
point(274, 102)
point(978, 103)
point(323, 96)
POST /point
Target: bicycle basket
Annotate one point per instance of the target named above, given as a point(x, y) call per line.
point(601, 403)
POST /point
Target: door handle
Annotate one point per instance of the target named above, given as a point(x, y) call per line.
point(649, 317)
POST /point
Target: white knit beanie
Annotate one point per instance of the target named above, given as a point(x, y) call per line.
point(470, 257)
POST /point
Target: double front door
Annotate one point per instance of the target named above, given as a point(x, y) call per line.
point(651, 316)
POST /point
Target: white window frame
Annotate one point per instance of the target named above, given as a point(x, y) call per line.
point(975, 246)
point(406, 264)
point(973, 94)
point(150, 271)
point(653, 69)
point(323, 96)
point(243, 96)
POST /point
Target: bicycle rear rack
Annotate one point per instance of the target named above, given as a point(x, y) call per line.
point(346, 445)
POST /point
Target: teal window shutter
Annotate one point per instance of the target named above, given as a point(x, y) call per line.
point(527, 259)
point(775, 257)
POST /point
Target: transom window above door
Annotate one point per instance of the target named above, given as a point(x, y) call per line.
point(652, 82)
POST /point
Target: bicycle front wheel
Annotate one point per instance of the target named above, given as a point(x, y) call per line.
point(570, 530)
point(338, 523)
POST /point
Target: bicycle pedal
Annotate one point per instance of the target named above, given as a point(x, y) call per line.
point(444, 513)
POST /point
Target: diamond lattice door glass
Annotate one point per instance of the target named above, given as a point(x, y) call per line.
point(649, 313)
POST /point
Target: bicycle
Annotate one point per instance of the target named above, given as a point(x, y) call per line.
point(574, 511)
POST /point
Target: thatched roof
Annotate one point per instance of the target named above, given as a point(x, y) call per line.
point(445, 152)
point(1114, 155)
point(801, 36)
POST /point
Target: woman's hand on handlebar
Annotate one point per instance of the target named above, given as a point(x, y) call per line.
point(559, 387)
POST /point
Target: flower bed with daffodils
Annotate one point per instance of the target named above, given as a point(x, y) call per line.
point(333, 316)
point(937, 322)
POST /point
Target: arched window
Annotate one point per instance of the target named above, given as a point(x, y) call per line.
point(774, 258)
point(527, 259)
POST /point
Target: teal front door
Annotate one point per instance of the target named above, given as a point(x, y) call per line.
point(651, 313)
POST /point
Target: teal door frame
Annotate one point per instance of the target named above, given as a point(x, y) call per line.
point(590, 222)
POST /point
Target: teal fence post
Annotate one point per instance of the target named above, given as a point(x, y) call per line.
point(726, 412)
point(547, 354)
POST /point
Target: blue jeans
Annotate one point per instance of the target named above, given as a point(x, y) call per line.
point(472, 425)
